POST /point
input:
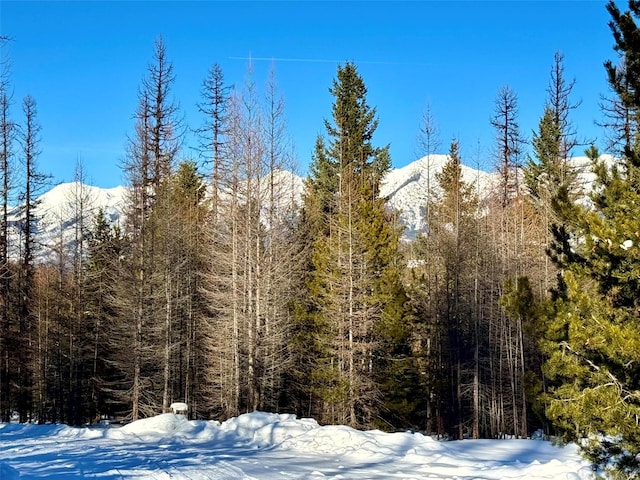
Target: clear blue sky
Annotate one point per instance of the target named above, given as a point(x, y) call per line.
point(83, 63)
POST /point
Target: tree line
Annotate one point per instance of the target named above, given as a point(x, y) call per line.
point(512, 311)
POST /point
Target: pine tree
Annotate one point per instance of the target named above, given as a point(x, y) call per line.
point(620, 118)
point(355, 263)
point(452, 327)
point(591, 328)
point(310, 335)
point(623, 77)
point(591, 335)
point(102, 268)
point(551, 180)
point(543, 178)
point(549, 176)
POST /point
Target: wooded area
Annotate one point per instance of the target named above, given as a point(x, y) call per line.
point(511, 312)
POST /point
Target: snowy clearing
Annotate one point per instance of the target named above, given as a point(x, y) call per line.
point(269, 446)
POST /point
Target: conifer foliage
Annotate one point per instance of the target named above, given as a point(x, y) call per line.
point(219, 290)
point(592, 331)
point(355, 298)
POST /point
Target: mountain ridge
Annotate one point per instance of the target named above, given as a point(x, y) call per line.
point(406, 188)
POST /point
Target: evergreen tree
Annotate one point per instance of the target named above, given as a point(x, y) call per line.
point(355, 265)
point(623, 77)
point(310, 341)
point(543, 178)
point(549, 175)
point(591, 329)
point(591, 338)
point(451, 335)
point(620, 118)
point(103, 263)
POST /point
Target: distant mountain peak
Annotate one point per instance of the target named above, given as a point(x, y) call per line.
point(407, 189)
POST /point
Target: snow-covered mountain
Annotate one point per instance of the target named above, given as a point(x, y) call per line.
point(58, 212)
point(58, 203)
point(406, 188)
point(409, 187)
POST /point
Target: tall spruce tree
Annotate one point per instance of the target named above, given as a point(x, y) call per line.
point(591, 336)
point(552, 180)
point(354, 291)
point(454, 224)
point(549, 176)
point(105, 247)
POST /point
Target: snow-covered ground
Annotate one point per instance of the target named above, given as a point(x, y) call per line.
point(269, 446)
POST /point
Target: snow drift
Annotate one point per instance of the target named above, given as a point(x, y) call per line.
point(269, 446)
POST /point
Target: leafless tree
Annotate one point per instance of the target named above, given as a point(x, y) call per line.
point(149, 163)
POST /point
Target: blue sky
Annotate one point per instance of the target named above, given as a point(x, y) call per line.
point(84, 60)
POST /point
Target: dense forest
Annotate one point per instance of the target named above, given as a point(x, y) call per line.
point(510, 312)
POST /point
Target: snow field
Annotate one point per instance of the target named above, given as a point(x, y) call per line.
point(269, 446)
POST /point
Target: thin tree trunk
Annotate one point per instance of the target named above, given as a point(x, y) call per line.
point(167, 344)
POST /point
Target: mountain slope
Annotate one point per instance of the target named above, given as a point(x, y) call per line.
point(407, 190)
point(57, 217)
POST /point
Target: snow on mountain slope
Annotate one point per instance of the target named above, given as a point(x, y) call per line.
point(58, 202)
point(57, 214)
point(407, 188)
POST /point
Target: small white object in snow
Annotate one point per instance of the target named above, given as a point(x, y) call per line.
point(179, 408)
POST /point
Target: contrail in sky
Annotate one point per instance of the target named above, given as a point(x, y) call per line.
point(280, 59)
point(324, 60)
